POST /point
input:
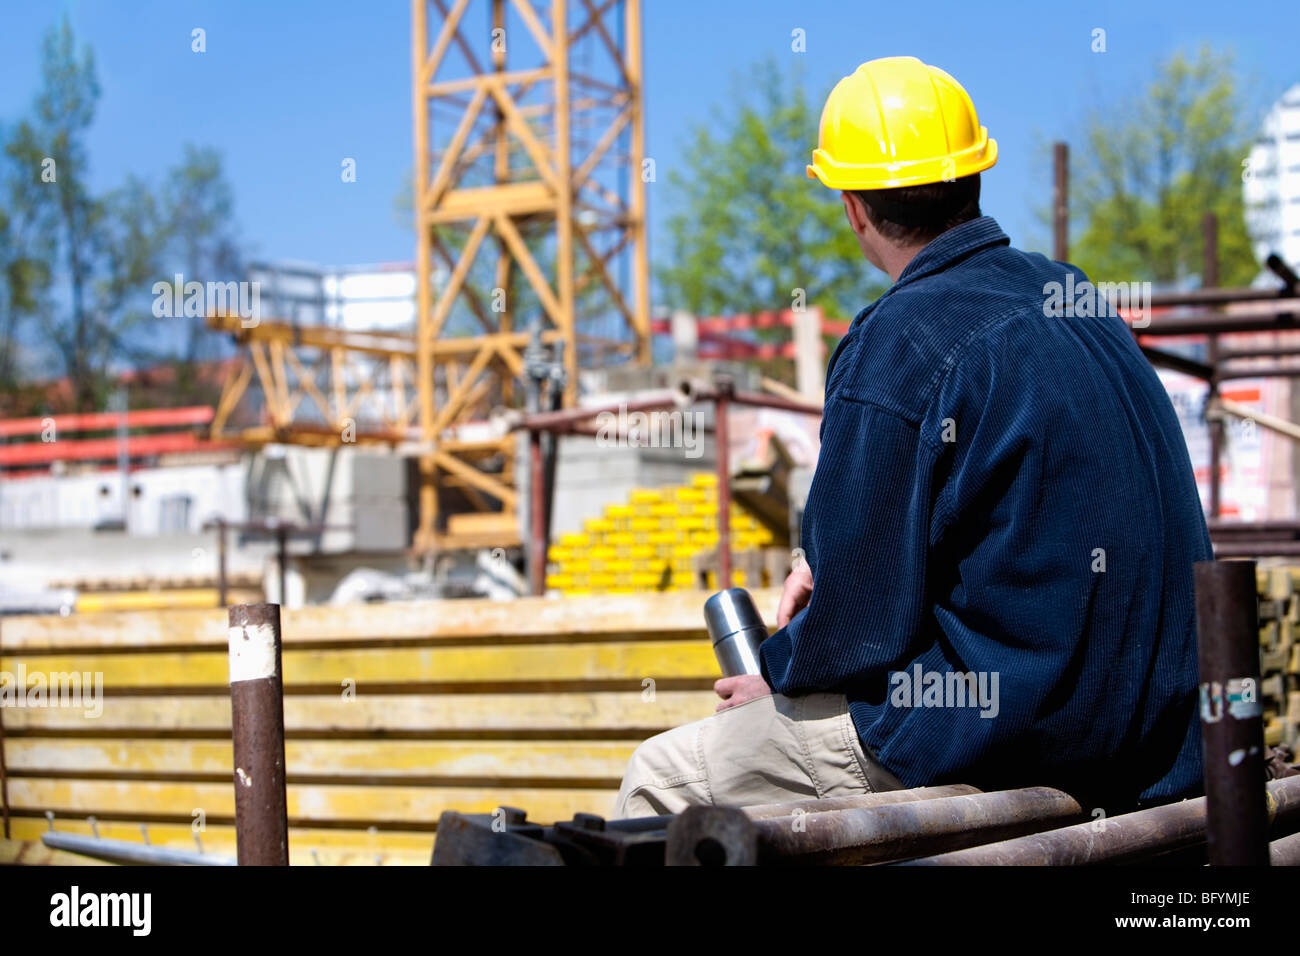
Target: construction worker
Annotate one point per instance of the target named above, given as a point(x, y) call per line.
point(1001, 528)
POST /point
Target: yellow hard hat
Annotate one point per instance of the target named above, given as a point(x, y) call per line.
point(898, 122)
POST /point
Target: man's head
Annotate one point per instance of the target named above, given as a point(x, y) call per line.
point(902, 142)
point(907, 218)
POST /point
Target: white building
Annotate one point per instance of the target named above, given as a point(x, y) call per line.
point(1271, 183)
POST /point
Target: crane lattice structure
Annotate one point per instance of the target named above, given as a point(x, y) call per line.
point(529, 201)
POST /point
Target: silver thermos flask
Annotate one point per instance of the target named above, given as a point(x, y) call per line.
point(737, 630)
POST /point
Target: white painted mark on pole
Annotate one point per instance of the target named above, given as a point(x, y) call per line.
point(252, 652)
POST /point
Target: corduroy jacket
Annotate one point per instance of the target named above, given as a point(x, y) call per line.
point(1001, 530)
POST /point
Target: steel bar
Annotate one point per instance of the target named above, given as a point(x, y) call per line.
point(1119, 839)
point(759, 400)
point(897, 831)
point(1281, 318)
point(1285, 852)
point(1179, 363)
point(536, 515)
point(1210, 279)
point(125, 851)
point(1256, 549)
point(1232, 721)
point(578, 419)
point(1061, 202)
point(500, 839)
point(1224, 296)
point(257, 731)
point(1260, 351)
point(766, 810)
point(223, 591)
point(712, 836)
point(1224, 526)
point(1271, 370)
point(1284, 272)
point(722, 441)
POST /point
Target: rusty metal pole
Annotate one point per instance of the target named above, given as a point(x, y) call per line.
point(722, 439)
point(861, 835)
point(4, 774)
point(1232, 723)
point(257, 732)
point(223, 594)
point(536, 514)
point(282, 559)
point(1209, 280)
point(1061, 202)
point(1127, 838)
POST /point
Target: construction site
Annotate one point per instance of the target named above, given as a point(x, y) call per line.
point(475, 504)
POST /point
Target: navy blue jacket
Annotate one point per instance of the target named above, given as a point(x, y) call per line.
point(1002, 497)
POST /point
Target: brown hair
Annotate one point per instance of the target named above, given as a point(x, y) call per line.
point(916, 214)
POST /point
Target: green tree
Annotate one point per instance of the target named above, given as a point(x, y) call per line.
point(78, 268)
point(1153, 165)
point(49, 149)
point(747, 227)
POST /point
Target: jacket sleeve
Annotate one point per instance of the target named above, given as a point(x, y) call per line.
point(866, 535)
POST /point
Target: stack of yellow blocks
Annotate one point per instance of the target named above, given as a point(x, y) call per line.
point(649, 543)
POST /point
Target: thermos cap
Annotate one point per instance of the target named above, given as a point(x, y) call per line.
point(730, 612)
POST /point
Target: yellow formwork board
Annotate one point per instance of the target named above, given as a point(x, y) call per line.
point(504, 759)
point(552, 712)
point(396, 665)
point(307, 803)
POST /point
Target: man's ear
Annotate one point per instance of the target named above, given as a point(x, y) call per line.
point(853, 209)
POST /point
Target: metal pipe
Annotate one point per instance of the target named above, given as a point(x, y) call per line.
point(1061, 202)
point(1210, 279)
point(4, 772)
point(1285, 852)
point(1278, 319)
point(759, 400)
point(124, 851)
point(722, 439)
point(858, 801)
point(1279, 268)
point(257, 732)
point(1255, 549)
point(1260, 351)
point(123, 455)
point(1224, 526)
point(1271, 370)
point(282, 561)
point(1118, 839)
point(1224, 296)
point(852, 837)
point(577, 419)
point(536, 515)
point(1232, 719)
point(223, 592)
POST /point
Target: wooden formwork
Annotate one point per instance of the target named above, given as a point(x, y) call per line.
point(393, 713)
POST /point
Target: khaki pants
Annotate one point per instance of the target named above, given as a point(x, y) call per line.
point(768, 750)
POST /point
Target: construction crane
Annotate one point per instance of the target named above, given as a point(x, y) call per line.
point(529, 206)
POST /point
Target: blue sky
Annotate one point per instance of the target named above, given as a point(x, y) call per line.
point(286, 89)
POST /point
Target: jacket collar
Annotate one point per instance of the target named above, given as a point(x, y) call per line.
point(941, 252)
point(957, 243)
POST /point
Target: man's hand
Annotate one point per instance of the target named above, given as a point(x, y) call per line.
point(743, 687)
point(794, 596)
